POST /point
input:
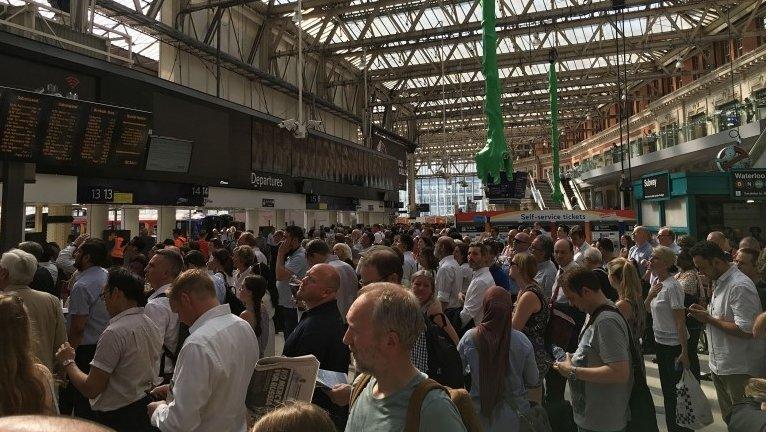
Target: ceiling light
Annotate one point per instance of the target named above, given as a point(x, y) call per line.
point(679, 63)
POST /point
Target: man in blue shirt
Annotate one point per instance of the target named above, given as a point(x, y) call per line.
point(88, 313)
point(291, 261)
point(642, 250)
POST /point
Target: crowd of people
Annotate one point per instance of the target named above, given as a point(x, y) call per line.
point(165, 336)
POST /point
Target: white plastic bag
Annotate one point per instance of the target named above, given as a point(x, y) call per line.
point(693, 410)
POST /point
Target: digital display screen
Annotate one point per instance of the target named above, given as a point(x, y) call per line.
point(52, 130)
point(168, 154)
point(513, 188)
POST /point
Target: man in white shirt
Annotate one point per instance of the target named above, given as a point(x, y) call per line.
point(126, 359)
point(214, 366)
point(478, 257)
point(579, 244)
point(448, 279)
point(734, 356)
point(404, 243)
point(160, 272)
point(378, 234)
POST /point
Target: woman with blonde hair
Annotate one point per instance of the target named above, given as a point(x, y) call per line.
point(623, 277)
point(295, 416)
point(666, 303)
point(26, 386)
point(344, 253)
point(423, 287)
point(531, 314)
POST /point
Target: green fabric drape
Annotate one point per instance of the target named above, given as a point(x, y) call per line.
point(494, 157)
point(557, 196)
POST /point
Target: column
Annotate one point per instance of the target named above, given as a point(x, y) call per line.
point(411, 183)
point(96, 219)
point(166, 222)
point(309, 219)
point(131, 220)
point(39, 218)
point(56, 231)
point(344, 218)
point(279, 222)
point(252, 220)
point(333, 217)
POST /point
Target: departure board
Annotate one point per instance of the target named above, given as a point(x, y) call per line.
point(52, 130)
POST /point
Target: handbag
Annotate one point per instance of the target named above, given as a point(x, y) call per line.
point(561, 326)
point(693, 410)
point(536, 420)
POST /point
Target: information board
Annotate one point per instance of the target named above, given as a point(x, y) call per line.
point(748, 183)
point(52, 130)
point(656, 186)
point(123, 191)
point(168, 154)
point(506, 188)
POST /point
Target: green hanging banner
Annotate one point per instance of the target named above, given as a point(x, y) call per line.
point(494, 157)
point(557, 196)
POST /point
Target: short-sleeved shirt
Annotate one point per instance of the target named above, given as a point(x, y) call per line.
point(220, 285)
point(603, 407)
point(670, 298)
point(85, 299)
point(369, 414)
point(735, 300)
point(295, 263)
point(545, 277)
point(448, 282)
point(410, 266)
point(128, 350)
point(640, 254)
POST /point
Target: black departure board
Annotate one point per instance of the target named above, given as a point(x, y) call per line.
point(52, 130)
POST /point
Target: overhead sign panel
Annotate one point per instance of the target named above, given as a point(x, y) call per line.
point(52, 130)
point(656, 187)
point(748, 183)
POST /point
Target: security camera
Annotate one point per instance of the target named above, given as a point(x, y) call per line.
point(289, 124)
point(314, 124)
point(300, 131)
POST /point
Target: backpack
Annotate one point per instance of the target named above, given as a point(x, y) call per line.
point(443, 360)
point(641, 407)
point(181, 335)
point(236, 306)
point(459, 397)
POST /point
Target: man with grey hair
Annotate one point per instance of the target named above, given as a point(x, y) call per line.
point(449, 279)
point(43, 281)
point(542, 249)
point(592, 259)
point(666, 237)
point(17, 268)
point(384, 323)
point(642, 250)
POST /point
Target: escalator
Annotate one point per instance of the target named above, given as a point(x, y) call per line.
point(569, 195)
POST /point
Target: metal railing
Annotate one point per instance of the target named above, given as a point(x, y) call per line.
point(53, 19)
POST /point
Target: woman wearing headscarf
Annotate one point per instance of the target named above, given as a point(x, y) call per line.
point(501, 362)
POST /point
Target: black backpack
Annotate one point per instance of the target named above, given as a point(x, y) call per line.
point(181, 335)
point(235, 304)
point(443, 361)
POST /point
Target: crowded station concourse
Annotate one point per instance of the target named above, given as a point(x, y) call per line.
point(382, 215)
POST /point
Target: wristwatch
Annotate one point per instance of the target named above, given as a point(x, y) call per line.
point(572, 373)
point(67, 362)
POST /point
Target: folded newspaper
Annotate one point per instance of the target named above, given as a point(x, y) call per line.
point(279, 379)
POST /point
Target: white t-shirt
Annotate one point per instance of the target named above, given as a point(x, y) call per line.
point(670, 298)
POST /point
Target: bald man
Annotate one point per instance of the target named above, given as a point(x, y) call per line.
point(642, 250)
point(320, 332)
point(721, 240)
point(39, 423)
